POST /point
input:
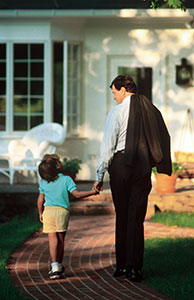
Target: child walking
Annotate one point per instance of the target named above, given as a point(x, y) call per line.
point(53, 207)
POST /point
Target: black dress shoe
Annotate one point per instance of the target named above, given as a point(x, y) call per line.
point(119, 272)
point(135, 275)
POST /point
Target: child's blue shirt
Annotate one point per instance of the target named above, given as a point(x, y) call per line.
point(56, 192)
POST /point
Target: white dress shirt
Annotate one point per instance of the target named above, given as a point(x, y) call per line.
point(114, 136)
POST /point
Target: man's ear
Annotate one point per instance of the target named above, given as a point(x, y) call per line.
point(123, 90)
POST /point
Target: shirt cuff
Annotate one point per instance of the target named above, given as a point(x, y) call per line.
point(73, 188)
point(99, 177)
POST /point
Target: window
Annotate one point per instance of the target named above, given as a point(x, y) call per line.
point(28, 85)
point(25, 86)
point(2, 86)
point(69, 100)
point(21, 86)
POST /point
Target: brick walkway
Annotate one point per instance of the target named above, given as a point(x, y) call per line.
point(89, 261)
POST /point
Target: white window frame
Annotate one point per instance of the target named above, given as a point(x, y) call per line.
point(66, 109)
point(5, 61)
point(47, 94)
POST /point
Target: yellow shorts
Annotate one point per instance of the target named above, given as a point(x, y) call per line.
point(55, 219)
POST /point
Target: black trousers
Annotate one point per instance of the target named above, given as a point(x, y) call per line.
point(130, 195)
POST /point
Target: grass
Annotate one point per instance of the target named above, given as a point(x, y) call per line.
point(12, 234)
point(172, 218)
point(169, 262)
point(168, 267)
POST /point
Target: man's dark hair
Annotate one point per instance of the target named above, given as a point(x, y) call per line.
point(125, 81)
point(50, 167)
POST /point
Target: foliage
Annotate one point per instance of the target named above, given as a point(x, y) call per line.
point(170, 3)
point(71, 166)
point(168, 267)
point(12, 234)
point(172, 218)
point(177, 168)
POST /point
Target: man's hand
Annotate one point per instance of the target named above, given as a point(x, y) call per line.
point(98, 186)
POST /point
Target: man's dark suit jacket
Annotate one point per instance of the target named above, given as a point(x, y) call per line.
point(147, 138)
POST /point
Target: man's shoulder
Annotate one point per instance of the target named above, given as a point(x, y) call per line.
point(112, 112)
point(113, 109)
point(116, 109)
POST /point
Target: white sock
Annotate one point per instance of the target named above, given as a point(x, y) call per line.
point(55, 267)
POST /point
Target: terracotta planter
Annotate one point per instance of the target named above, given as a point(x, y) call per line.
point(165, 184)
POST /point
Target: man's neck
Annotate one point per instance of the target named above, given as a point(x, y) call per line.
point(127, 94)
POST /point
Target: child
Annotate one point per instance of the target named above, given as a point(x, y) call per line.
point(53, 207)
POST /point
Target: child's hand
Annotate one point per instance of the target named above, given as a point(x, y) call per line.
point(41, 218)
point(96, 192)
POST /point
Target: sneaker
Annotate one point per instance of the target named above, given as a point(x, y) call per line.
point(57, 274)
point(54, 275)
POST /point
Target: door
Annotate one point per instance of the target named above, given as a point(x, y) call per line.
point(142, 77)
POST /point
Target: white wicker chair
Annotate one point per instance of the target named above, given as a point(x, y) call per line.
point(26, 153)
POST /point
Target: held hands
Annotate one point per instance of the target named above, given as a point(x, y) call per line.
point(98, 186)
point(95, 192)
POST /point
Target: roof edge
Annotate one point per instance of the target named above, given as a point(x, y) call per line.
point(120, 13)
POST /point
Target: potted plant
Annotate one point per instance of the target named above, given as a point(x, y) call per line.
point(71, 166)
point(165, 183)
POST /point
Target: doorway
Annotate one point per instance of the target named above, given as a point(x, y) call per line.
point(142, 77)
point(150, 76)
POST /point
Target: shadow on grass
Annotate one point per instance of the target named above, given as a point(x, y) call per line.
point(168, 267)
point(12, 204)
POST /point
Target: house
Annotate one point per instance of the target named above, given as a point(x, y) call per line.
point(57, 59)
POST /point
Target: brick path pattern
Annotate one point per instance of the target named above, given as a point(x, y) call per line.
point(89, 261)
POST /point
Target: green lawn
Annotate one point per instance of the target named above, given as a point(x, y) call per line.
point(169, 262)
point(12, 234)
point(168, 267)
point(172, 218)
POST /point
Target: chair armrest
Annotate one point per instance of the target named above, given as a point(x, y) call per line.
point(44, 148)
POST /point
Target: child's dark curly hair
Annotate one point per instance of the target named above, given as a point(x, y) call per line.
point(50, 167)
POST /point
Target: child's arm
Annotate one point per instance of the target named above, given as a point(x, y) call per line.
point(40, 203)
point(82, 194)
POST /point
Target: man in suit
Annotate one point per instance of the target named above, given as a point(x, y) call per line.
point(135, 140)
